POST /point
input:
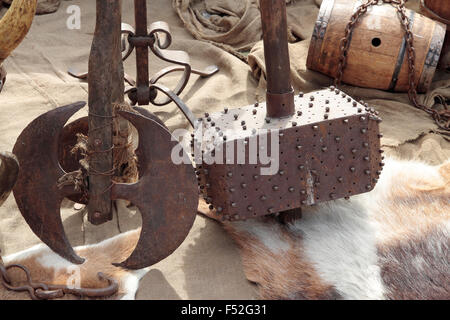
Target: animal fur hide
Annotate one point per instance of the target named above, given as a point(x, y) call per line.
point(47, 267)
point(391, 243)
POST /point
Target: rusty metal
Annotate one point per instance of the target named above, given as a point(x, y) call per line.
point(3, 74)
point(442, 118)
point(43, 150)
point(166, 216)
point(42, 291)
point(329, 147)
point(9, 170)
point(280, 94)
point(157, 38)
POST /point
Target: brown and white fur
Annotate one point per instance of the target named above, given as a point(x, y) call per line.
point(391, 243)
point(46, 266)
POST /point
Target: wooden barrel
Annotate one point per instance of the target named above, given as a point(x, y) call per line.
point(439, 10)
point(377, 57)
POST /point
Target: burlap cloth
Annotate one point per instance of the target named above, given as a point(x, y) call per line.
point(222, 32)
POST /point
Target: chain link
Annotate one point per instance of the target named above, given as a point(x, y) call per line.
point(42, 291)
point(442, 118)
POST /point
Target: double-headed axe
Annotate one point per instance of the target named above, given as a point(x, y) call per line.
point(166, 194)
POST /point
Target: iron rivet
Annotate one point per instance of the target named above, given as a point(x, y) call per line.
point(338, 139)
point(219, 209)
point(327, 109)
point(233, 204)
point(263, 198)
point(340, 179)
point(368, 187)
point(355, 103)
point(366, 158)
point(294, 123)
point(206, 114)
point(366, 144)
point(341, 157)
point(291, 189)
point(359, 110)
point(232, 190)
point(255, 176)
point(299, 113)
point(281, 172)
point(315, 128)
point(275, 188)
point(304, 202)
point(301, 167)
point(345, 121)
point(230, 174)
point(332, 195)
point(324, 149)
point(301, 94)
point(367, 172)
point(354, 151)
point(249, 208)
point(303, 192)
point(311, 98)
point(254, 111)
point(211, 207)
point(236, 217)
point(270, 210)
point(244, 185)
point(299, 147)
point(267, 120)
point(235, 116)
point(242, 122)
point(325, 116)
point(311, 105)
point(352, 169)
point(225, 110)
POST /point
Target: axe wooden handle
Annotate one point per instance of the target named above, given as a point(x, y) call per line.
point(280, 95)
point(105, 88)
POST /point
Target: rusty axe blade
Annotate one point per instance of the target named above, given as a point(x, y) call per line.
point(36, 192)
point(9, 169)
point(166, 194)
point(167, 216)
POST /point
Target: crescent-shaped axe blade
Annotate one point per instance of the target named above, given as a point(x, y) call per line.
point(36, 192)
point(9, 169)
point(166, 194)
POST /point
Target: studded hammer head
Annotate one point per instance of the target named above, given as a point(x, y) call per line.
point(329, 149)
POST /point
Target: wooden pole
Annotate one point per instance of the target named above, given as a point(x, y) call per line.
point(105, 88)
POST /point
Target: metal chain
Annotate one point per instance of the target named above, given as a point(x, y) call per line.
point(42, 291)
point(442, 118)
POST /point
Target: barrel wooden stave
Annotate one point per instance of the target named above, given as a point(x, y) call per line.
point(439, 10)
point(369, 65)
